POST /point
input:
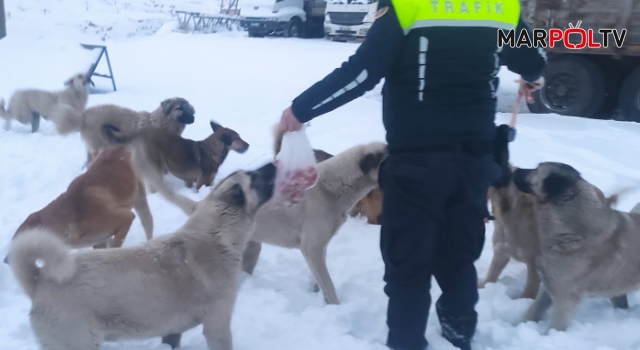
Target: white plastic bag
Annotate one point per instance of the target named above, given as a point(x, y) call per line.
point(296, 169)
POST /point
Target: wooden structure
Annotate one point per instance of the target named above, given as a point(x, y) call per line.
point(3, 26)
point(92, 69)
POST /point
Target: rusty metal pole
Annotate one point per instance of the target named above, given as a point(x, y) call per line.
point(3, 27)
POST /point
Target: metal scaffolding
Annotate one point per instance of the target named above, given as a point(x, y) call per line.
point(3, 27)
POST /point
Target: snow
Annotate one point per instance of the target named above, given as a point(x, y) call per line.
point(245, 83)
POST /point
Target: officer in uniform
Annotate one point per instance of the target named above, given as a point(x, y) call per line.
point(440, 61)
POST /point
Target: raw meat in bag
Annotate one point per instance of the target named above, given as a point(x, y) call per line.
point(296, 169)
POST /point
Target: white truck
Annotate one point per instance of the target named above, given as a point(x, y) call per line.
point(289, 18)
point(349, 20)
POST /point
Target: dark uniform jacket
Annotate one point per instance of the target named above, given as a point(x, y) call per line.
point(440, 81)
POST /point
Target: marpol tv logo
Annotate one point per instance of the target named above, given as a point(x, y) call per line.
point(574, 38)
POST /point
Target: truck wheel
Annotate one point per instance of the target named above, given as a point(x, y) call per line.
point(574, 86)
point(630, 97)
point(294, 28)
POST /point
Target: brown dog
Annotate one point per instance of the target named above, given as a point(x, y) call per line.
point(191, 161)
point(96, 208)
point(370, 206)
point(158, 151)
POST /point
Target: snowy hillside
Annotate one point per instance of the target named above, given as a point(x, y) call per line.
point(245, 83)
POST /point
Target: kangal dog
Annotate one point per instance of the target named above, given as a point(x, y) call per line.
point(170, 284)
point(515, 234)
point(587, 249)
point(343, 181)
point(173, 115)
point(61, 107)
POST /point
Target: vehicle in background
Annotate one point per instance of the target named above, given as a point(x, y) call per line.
point(3, 27)
point(349, 20)
point(589, 82)
point(289, 18)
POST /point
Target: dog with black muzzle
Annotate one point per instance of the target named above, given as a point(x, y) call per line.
point(173, 115)
point(168, 285)
point(515, 234)
point(587, 248)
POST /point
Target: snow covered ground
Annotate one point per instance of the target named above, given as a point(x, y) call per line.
point(245, 84)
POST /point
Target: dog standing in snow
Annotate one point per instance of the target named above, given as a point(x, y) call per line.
point(96, 209)
point(170, 284)
point(62, 107)
point(587, 249)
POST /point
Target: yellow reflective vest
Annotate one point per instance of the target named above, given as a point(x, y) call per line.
point(501, 14)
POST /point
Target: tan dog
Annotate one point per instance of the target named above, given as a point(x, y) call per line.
point(61, 107)
point(370, 206)
point(587, 249)
point(311, 224)
point(170, 284)
point(173, 115)
point(515, 235)
point(96, 207)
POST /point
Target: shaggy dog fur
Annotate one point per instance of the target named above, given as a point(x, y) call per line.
point(173, 115)
point(587, 249)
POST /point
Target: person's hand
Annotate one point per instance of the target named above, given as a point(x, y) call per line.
point(288, 121)
point(528, 87)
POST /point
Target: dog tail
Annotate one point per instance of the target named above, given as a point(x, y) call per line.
point(615, 198)
point(66, 118)
point(40, 244)
point(113, 134)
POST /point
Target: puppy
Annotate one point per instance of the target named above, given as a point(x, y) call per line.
point(173, 115)
point(370, 206)
point(96, 208)
point(587, 249)
point(61, 107)
point(343, 180)
point(168, 285)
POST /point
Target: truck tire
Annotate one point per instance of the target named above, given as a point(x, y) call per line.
point(294, 28)
point(574, 86)
point(630, 97)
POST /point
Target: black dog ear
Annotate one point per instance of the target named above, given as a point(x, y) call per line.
point(227, 139)
point(370, 162)
point(556, 185)
point(214, 126)
point(237, 196)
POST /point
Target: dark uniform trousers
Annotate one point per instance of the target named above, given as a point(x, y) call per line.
point(434, 206)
